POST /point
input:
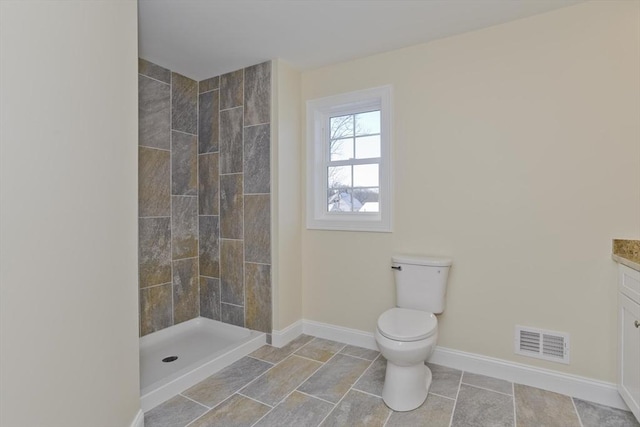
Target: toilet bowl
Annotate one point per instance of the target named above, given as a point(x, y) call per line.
point(406, 338)
point(406, 334)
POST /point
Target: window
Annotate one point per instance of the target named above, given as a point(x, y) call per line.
point(348, 161)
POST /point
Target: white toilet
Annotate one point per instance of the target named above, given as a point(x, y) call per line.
point(406, 335)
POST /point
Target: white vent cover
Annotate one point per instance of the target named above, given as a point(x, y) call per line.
point(541, 344)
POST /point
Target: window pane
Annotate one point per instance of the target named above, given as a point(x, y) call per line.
point(368, 123)
point(341, 149)
point(369, 197)
point(342, 200)
point(367, 147)
point(339, 176)
point(365, 175)
point(341, 126)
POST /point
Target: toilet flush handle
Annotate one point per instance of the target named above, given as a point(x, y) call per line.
point(399, 268)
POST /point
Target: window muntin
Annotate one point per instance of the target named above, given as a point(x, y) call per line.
point(348, 159)
point(353, 163)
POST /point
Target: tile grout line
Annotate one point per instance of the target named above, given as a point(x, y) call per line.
point(264, 373)
point(575, 408)
point(195, 401)
point(198, 295)
point(258, 124)
point(486, 389)
point(453, 411)
point(188, 133)
point(364, 392)
point(239, 393)
point(350, 388)
point(228, 303)
point(444, 397)
point(155, 286)
point(237, 106)
point(233, 393)
point(302, 382)
point(206, 91)
point(244, 246)
point(358, 357)
point(156, 80)
point(154, 148)
point(267, 413)
point(261, 360)
point(314, 397)
point(311, 374)
point(171, 187)
point(515, 418)
point(388, 418)
point(218, 189)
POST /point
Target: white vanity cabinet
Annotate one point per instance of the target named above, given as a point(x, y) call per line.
point(629, 337)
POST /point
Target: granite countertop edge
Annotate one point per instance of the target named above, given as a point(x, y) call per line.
point(635, 264)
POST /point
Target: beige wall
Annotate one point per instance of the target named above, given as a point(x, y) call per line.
point(516, 151)
point(68, 202)
point(286, 193)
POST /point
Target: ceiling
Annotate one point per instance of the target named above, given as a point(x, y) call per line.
point(206, 38)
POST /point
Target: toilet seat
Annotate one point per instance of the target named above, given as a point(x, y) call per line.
point(405, 324)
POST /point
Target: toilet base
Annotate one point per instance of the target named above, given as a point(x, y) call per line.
point(406, 387)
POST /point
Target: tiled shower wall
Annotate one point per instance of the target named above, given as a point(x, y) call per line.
point(204, 190)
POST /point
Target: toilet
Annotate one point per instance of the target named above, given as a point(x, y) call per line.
point(406, 334)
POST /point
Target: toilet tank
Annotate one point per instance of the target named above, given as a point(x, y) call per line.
point(421, 281)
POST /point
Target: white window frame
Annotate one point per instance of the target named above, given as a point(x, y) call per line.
point(319, 112)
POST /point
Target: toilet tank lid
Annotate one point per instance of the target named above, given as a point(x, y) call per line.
point(433, 261)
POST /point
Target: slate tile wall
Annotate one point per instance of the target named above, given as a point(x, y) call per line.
point(204, 197)
point(235, 197)
point(168, 198)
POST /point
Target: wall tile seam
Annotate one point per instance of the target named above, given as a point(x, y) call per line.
point(183, 132)
point(257, 194)
point(229, 303)
point(218, 237)
point(154, 286)
point(155, 80)
point(154, 148)
point(182, 259)
point(257, 124)
point(208, 153)
point(234, 173)
point(155, 217)
point(244, 249)
point(257, 263)
point(208, 91)
point(171, 186)
point(197, 200)
point(233, 108)
point(209, 277)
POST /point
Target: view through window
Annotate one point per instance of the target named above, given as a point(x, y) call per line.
point(353, 177)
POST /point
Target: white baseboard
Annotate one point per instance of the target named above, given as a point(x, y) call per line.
point(288, 334)
point(584, 388)
point(138, 421)
point(340, 334)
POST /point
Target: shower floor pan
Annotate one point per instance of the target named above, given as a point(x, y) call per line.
point(202, 346)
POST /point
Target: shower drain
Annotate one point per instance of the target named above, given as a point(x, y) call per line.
point(170, 359)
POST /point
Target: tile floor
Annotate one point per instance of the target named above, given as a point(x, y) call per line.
point(316, 382)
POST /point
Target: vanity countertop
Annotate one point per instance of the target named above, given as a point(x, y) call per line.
point(627, 252)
